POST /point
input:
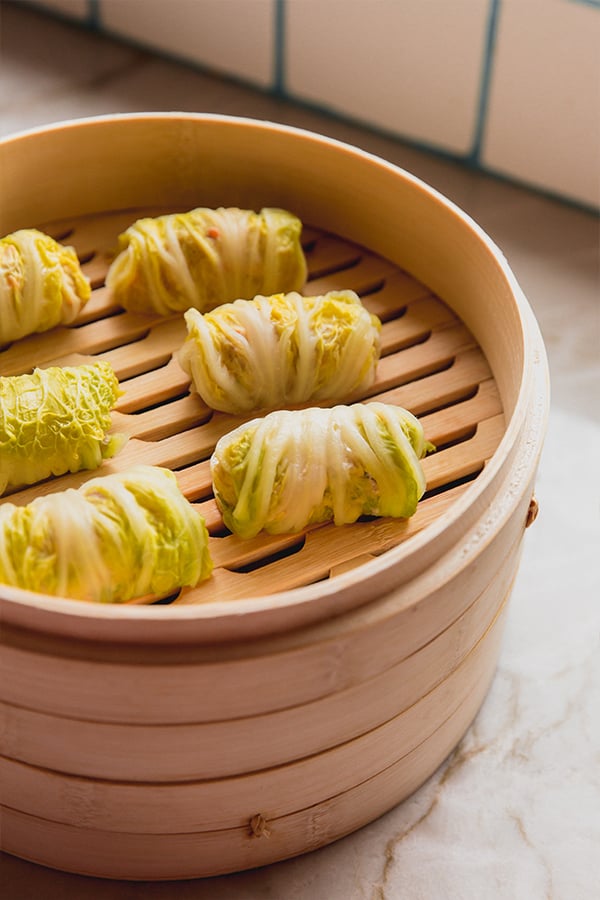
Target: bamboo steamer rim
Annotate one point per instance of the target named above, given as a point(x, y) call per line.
point(256, 617)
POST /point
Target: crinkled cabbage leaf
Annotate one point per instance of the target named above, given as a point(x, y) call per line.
point(206, 257)
point(41, 284)
point(285, 349)
point(293, 468)
point(116, 538)
point(56, 420)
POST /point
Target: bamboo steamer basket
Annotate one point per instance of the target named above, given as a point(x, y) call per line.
point(316, 681)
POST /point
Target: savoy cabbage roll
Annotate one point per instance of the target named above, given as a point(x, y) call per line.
point(294, 468)
point(41, 284)
point(116, 538)
point(56, 420)
point(205, 257)
point(285, 349)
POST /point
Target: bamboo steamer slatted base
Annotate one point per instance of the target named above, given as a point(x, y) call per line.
point(315, 680)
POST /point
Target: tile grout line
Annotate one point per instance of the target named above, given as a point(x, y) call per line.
point(474, 157)
point(279, 13)
point(94, 15)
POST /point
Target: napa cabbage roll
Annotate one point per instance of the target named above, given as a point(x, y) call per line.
point(293, 468)
point(206, 257)
point(116, 538)
point(281, 350)
point(41, 284)
point(56, 420)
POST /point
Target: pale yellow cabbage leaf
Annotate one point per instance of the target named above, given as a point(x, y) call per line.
point(206, 257)
point(56, 420)
point(281, 350)
point(117, 538)
point(293, 468)
point(41, 284)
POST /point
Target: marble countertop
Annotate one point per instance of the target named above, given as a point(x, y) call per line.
point(514, 813)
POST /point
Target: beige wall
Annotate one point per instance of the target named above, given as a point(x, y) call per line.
point(511, 86)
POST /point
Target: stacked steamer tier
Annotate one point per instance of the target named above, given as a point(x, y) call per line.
point(316, 680)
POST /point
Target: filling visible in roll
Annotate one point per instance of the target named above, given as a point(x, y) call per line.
point(116, 538)
point(41, 284)
point(281, 350)
point(206, 257)
point(291, 469)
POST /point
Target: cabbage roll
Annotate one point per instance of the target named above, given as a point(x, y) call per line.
point(116, 538)
point(206, 257)
point(41, 284)
point(281, 350)
point(56, 420)
point(294, 468)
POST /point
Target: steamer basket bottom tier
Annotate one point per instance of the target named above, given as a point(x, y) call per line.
point(374, 773)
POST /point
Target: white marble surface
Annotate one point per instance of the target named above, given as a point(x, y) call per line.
point(514, 813)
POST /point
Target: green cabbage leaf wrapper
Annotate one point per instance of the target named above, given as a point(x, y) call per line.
point(56, 420)
point(118, 537)
point(281, 350)
point(294, 468)
point(205, 257)
point(41, 284)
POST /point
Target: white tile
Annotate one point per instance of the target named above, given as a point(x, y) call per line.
point(72, 9)
point(543, 118)
point(412, 68)
point(235, 37)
